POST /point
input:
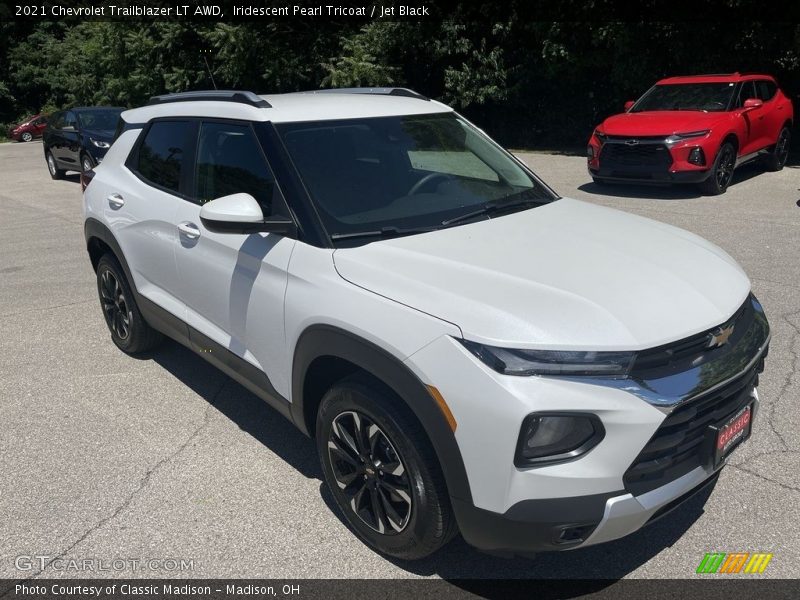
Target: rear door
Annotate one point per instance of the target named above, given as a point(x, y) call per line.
point(774, 115)
point(140, 208)
point(233, 285)
point(69, 147)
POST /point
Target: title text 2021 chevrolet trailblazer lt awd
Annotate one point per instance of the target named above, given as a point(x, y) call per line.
point(695, 129)
point(470, 351)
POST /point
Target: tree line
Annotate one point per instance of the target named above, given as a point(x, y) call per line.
point(529, 83)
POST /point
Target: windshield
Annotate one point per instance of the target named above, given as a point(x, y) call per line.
point(404, 172)
point(99, 119)
point(709, 97)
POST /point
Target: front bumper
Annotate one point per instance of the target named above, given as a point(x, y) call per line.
point(650, 175)
point(553, 524)
point(621, 484)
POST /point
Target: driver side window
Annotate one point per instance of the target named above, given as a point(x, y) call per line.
point(746, 92)
point(230, 161)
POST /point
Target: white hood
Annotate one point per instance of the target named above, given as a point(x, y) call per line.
point(565, 275)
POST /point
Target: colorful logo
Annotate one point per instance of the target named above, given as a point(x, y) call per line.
point(734, 562)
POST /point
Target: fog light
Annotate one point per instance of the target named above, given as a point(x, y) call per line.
point(697, 157)
point(546, 438)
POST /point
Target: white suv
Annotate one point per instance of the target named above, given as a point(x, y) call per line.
point(470, 351)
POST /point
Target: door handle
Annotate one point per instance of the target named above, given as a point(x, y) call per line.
point(116, 201)
point(190, 230)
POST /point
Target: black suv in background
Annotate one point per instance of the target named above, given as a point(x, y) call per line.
point(77, 139)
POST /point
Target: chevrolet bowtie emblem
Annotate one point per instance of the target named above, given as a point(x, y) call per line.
point(719, 336)
point(631, 142)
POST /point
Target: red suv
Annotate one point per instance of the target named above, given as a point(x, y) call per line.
point(29, 129)
point(694, 129)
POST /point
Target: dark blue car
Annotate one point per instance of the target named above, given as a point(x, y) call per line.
point(77, 139)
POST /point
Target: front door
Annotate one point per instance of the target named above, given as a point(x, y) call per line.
point(233, 285)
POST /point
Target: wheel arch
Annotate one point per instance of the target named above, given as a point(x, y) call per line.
point(324, 354)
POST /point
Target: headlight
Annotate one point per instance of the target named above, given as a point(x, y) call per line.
point(100, 143)
point(679, 137)
point(511, 361)
point(552, 437)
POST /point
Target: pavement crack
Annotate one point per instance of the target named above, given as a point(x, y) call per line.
point(43, 308)
point(144, 482)
point(765, 478)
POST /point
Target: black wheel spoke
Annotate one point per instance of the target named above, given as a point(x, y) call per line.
point(369, 473)
point(377, 510)
point(394, 519)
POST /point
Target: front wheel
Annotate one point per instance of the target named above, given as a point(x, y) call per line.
point(721, 172)
point(382, 471)
point(26, 137)
point(776, 159)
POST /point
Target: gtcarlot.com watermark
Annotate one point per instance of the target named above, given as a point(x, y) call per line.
point(43, 563)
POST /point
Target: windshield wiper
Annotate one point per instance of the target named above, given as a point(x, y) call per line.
point(491, 208)
point(384, 232)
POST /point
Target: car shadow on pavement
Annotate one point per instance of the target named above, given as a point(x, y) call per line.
point(666, 192)
point(457, 562)
point(245, 409)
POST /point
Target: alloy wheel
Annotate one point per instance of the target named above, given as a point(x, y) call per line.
point(370, 473)
point(115, 306)
point(87, 165)
point(725, 168)
point(51, 164)
point(782, 147)
point(26, 137)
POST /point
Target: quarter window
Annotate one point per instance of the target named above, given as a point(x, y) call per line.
point(230, 161)
point(162, 154)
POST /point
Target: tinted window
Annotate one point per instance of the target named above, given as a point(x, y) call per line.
point(713, 97)
point(747, 92)
point(57, 120)
point(765, 90)
point(161, 154)
point(70, 120)
point(229, 161)
point(99, 119)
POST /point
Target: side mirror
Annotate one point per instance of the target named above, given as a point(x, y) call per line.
point(240, 213)
point(752, 103)
point(628, 105)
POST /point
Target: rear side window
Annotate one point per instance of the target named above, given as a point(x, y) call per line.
point(230, 161)
point(765, 90)
point(162, 153)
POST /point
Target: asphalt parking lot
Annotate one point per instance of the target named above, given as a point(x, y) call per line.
point(104, 456)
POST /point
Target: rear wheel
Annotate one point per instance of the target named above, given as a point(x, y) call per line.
point(55, 172)
point(721, 171)
point(776, 159)
point(129, 331)
point(382, 471)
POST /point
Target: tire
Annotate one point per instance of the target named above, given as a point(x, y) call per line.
point(129, 331)
point(721, 172)
point(55, 172)
point(86, 163)
point(26, 137)
point(395, 474)
point(776, 159)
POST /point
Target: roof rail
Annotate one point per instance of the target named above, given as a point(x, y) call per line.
point(239, 96)
point(377, 91)
point(734, 74)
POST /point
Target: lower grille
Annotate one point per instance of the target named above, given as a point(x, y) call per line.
point(678, 446)
point(622, 156)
